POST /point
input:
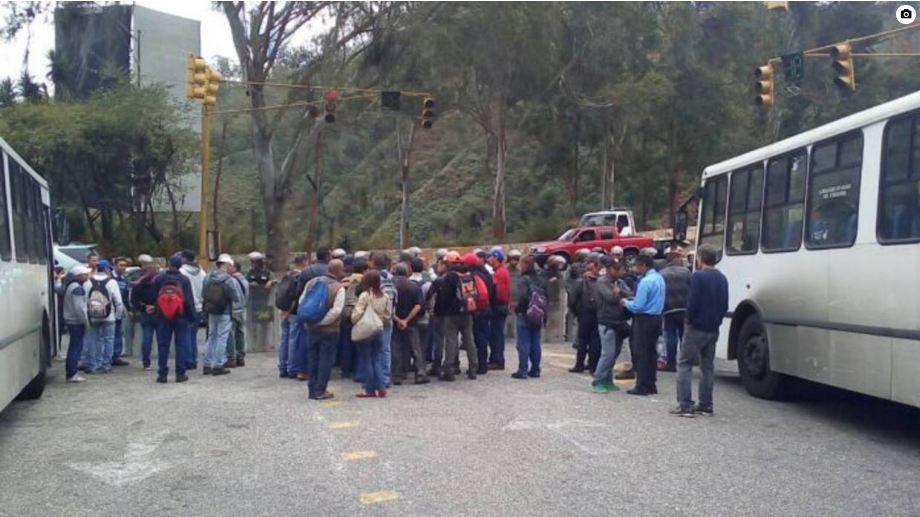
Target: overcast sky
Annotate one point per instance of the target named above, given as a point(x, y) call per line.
point(216, 39)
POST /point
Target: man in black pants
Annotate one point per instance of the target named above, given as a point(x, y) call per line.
point(646, 308)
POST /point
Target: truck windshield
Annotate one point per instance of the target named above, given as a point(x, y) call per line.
point(567, 236)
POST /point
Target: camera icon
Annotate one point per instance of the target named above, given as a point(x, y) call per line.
point(906, 14)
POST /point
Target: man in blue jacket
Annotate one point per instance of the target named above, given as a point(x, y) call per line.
point(176, 326)
point(646, 308)
point(706, 307)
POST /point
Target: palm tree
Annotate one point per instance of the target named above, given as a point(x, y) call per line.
point(29, 90)
point(57, 75)
point(7, 93)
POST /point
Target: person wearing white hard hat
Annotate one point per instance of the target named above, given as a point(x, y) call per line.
point(76, 318)
point(616, 252)
point(339, 253)
point(259, 275)
point(221, 296)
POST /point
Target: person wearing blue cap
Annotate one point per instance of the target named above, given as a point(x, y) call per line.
point(176, 316)
point(104, 306)
point(500, 309)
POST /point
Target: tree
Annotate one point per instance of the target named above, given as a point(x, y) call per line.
point(261, 33)
point(7, 93)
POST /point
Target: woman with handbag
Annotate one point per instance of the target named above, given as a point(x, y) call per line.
point(371, 310)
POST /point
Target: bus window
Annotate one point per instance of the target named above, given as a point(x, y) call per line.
point(712, 225)
point(899, 190)
point(784, 204)
point(31, 217)
point(38, 232)
point(744, 211)
point(833, 193)
point(18, 219)
point(6, 251)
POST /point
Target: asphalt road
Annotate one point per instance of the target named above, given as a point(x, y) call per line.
point(251, 444)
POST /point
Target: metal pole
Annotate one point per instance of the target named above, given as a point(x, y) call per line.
point(205, 151)
point(138, 59)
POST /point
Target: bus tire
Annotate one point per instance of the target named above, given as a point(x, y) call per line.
point(36, 387)
point(758, 377)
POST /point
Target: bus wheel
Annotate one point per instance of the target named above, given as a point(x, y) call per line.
point(36, 387)
point(754, 361)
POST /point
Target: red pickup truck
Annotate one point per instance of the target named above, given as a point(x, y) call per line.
point(589, 237)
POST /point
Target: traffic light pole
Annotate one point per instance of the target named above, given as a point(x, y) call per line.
point(205, 156)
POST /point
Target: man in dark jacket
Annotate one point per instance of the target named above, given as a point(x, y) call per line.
point(144, 302)
point(612, 322)
point(677, 286)
point(118, 274)
point(482, 320)
point(456, 322)
point(527, 334)
point(315, 270)
point(583, 304)
point(179, 327)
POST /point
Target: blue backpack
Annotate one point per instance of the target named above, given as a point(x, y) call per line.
point(312, 307)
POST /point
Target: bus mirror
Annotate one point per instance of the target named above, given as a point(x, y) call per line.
point(213, 245)
point(680, 225)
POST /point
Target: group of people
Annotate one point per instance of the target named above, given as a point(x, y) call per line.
point(382, 321)
point(611, 302)
point(170, 305)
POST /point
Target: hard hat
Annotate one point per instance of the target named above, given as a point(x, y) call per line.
point(440, 253)
point(582, 252)
point(255, 255)
point(451, 257)
point(362, 255)
point(144, 259)
point(80, 269)
point(415, 251)
point(514, 254)
point(651, 252)
point(470, 259)
point(338, 253)
point(616, 251)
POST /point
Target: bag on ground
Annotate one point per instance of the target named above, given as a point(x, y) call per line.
point(170, 300)
point(312, 307)
point(98, 305)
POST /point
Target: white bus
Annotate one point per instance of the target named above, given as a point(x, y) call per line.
point(28, 334)
point(820, 235)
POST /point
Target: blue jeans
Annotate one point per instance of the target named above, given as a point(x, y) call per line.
point(610, 350)
point(497, 338)
point(101, 340)
point(528, 346)
point(370, 358)
point(321, 347)
point(346, 353)
point(673, 335)
point(148, 329)
point(179, 329)
point(74, 349)
point(118, 346)
point(387, 350)
point(215, 353)
point(482, 334)
point(301, 359)
point(287, 349)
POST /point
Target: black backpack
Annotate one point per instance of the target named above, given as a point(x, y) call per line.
point(287, 294)
point(215, 296)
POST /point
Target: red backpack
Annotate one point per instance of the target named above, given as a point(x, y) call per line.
point(170, 300)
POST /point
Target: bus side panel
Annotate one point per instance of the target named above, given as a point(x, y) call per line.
point(783, 352)
point(860, 363)
point(13, 376)
point(905, 383)
point(811, 275)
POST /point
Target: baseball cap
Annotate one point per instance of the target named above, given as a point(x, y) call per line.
point(514, 254)
point(498, 253)
point(225, 259)
point(471, 259)
point(338, 253)
point(104, 264)
point(255, 255)
point(144, 259)
point(175, 261)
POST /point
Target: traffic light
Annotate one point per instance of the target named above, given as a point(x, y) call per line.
point(764, 85)
point(428, 113)
point(391, 100)
point(196, 78)
point(330, 106)
point(210, 97)
point(843, 66)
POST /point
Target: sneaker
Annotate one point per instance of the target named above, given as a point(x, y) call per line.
point(577, 369)
point(118, 361)
point(148, 369)
point(161, 379)
point(684, 412)
point(325, 396)
point(535, 375)
point(422, 380)
point(705, 411)
point(240, 362)
point(482, 370)
point(519, 375)
point(231, 363)
point(471, 375)
point(219, 371)
point(367, 395)
point(76, 378)
point(206, 370)
point(599, 388)
point(381, 393)
point(495, 366)
point(181, 378)
point(447, 378)
point(611, 386)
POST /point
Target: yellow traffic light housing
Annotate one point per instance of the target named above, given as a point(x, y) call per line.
point(842, 55)
point(428, 113)
point(196, 78)
point(764, 85)
point(211, 87)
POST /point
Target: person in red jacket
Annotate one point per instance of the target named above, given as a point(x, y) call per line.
point(502, 281)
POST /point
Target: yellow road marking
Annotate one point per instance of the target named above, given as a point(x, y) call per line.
point(379, 497)
point(341, 425)
point(358, 455)
point(558, 354)
point(332, 403)
point(621, 382)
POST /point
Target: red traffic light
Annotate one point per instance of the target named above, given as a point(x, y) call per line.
point(332, 96)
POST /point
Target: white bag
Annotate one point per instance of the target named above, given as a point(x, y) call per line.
point(367, 325)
